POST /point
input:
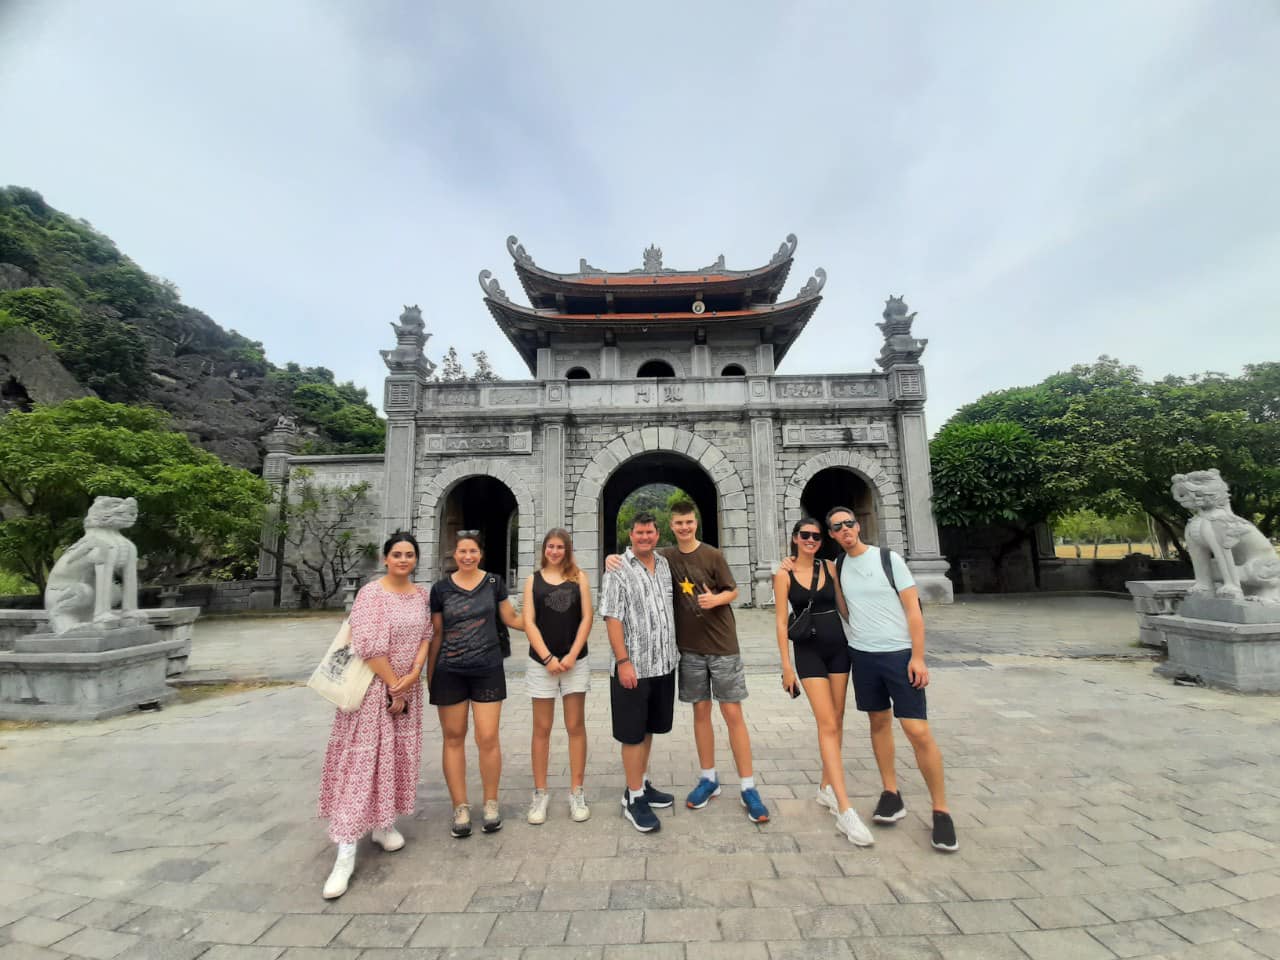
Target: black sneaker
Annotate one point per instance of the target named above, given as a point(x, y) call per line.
point(944, 833)
point(656, 798)
point(890, 809)
point(638, 812)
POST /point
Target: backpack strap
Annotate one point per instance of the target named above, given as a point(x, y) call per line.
point(886, 562)
point(840, 564)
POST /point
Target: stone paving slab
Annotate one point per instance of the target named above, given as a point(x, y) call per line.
point(1102, 812)
point(963, 633)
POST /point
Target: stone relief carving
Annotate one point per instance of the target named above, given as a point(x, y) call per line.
point(839, 434)
point(518, 252)
point(1230, 556)
point(492, 289)
point(97, 572)
point(846, 390)
point(513, 396)
point(813, 286)
point(458, 398)
point(447, 443)
point(798, 389)
point(786, 251)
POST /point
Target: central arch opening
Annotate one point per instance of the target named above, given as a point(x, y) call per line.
point(659, 467)
point(655, 368)
point(838, 487)
point(488, 505)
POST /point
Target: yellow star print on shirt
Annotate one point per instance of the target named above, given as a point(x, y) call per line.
point(686, 585)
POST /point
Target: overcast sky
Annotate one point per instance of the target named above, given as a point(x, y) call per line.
point(1043, 182)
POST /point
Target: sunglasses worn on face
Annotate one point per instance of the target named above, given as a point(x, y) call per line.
point(847, 524)
point(809, 535)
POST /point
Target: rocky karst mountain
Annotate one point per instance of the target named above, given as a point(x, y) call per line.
point(129, 337)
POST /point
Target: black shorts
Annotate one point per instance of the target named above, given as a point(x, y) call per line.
point(646, 709)
point(448, 688)
point(821, 655)
point(880, 681)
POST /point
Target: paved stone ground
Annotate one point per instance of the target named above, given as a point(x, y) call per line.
point(287, 647)
point(1102, 812)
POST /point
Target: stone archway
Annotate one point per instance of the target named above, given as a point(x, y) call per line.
point(888, 500)
point(439, 487)
point(732, 495)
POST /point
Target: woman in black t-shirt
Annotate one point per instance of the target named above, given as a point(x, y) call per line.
point(465, 668)
point(557, 610)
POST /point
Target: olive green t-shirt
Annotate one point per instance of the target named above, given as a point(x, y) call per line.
point(712, 632)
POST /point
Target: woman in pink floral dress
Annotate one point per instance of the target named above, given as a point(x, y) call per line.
point(371, 765)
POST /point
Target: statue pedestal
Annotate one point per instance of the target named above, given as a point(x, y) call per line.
point(1235, 656)
point(931, 579)
point(171, 623)
point(89, 673)
point(1154, 599)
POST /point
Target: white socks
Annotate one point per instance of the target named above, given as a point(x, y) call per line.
point(346, 850)
point(748, 783)
point(710, 774)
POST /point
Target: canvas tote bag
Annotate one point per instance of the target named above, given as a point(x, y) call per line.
point(342, 678)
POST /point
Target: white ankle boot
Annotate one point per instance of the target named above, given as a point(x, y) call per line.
point(389, 840)
point(340, 876)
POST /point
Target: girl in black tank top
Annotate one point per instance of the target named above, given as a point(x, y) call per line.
point(557, 621)
point(818, 664)
point(826, 615)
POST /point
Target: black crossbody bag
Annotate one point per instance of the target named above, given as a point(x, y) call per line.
point(801, 627)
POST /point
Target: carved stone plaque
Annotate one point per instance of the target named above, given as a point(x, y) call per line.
point(400, 394)
point(458, 398)
point(798, 390)
point(909, 383)
point(513, 396)
point(447, 443)
point(857, 388)
point(835, 435)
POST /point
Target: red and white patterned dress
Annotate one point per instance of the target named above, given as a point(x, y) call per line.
point(371, 764)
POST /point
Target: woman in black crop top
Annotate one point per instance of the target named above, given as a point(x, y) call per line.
point(557, 611)
point(821, 664)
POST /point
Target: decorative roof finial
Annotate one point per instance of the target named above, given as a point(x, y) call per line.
point(813, 286)
point(411, 339)
point(653, 259)
point(518, 252)
point(786, 251)
point(492, 289)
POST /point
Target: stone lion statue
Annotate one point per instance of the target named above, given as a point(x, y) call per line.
point(1230, 556)
point(83, 587)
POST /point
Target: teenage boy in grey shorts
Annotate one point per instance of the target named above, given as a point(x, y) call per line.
point(710, 663)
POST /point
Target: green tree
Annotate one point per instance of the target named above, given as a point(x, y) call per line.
point(195, 514)
point(484, 372)
point(313, 536)
point(1110, 441)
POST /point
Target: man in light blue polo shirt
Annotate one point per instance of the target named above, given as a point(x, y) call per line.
point(886, 634)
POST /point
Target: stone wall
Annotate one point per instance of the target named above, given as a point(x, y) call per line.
point(342, 471)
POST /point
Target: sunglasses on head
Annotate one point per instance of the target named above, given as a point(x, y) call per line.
point(467, 534)
point(809, 535)
point(847, 524)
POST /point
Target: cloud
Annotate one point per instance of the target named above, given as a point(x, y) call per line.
point(1043, 184)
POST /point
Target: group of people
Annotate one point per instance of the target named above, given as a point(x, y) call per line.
point(670, 628)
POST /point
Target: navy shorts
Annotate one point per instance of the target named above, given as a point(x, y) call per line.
point(880, 681)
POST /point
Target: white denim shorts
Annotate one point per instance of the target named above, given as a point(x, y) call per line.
point(543, 686)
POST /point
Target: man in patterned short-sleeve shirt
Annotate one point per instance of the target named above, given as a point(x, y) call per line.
point(636, 605)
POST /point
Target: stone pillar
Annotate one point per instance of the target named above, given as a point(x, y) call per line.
point(398, 472)
point(544, 364)
point(553, 512)
point(899, 356)
point(700, 360)
point(763, 464)
point(764, 359)
point(281, 442)
point(610, 362)
point(407, 370)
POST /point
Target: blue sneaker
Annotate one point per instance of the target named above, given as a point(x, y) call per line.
point(701, 795)
point(638, 812)
point(757, 812)
point(655, 797)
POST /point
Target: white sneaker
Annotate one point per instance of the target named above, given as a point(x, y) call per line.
point(538, 807)
point(827, 797)
point(578, 809)
point(340, 876)
point(852, 827)
point(389, 840)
